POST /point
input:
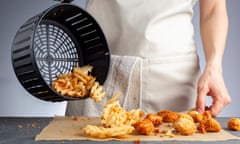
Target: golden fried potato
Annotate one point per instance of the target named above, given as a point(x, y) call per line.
point(114, 114)
point(107, 132)
point(79, 83)
point(184, 126)
point(85, 70)
point(115, 121)
point(155, 119)
point(144, 127)
point(133, 116)
point(234, 124)
point(97, 93)
point(168, 116)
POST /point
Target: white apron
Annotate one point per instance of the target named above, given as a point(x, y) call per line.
point(160, 33)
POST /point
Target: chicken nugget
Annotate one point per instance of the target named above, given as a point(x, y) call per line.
point(144, 127)
point(197, 117)
point(234, 124)
point(187, 116)
point(184, 126)
point(168, 116)
point(155, 119)
point(211, 125)
point(206, 115)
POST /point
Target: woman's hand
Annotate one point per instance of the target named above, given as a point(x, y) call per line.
point(211, 84)
point(213, 27)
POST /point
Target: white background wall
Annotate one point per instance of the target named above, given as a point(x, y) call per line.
point(15, 101)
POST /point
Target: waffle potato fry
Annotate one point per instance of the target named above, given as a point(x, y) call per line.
point(79, 83)
point(114, 114)
point(103, 132)
point(97, 92)
point(115, 121)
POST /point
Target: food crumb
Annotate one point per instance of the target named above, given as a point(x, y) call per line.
point(167, 133)
point(34, 125)
point(171, 136)
point(137, 141)
point(74, 118)
point(157, 131)
point(28, 125)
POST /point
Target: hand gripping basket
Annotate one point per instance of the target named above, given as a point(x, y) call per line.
point(52, 43)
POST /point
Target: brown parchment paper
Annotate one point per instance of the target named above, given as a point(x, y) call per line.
point(69, 128)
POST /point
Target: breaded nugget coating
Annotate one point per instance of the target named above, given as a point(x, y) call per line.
point(184, 126)
point(144, 127)
point(234, 124)
point(155, 119)
point(187, 116)
point(212, 125)
point(197, 117)
point(168, 115)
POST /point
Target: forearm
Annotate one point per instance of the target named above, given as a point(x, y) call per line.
point(214, 27)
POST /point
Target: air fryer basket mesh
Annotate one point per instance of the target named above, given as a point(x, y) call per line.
point(52, 43)
point(55, 50)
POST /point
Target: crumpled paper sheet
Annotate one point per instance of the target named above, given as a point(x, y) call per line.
point(70, 128)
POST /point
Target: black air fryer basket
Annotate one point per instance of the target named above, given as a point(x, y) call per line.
point(52, 43)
